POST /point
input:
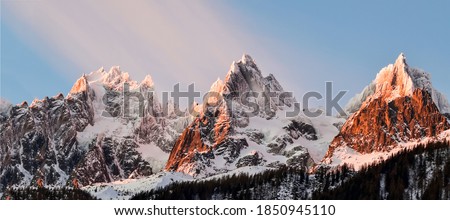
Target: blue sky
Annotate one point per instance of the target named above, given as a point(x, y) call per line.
point(46, 45)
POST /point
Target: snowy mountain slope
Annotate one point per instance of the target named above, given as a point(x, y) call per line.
point(346, 155)
point(406, 79)
point(420, 164)
point(124, 189)
point(271, 129)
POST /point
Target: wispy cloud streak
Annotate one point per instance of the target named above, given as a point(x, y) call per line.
point(172, 40)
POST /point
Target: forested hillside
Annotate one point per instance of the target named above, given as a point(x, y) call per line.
point(420, 173)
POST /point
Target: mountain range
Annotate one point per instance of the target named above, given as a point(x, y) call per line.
point(96, 139)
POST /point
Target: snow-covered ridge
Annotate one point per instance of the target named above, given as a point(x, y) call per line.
point(87, 135)
point(153, 135)
point(113, 79)
point(346, 155)
point(231, 135)
point(398, 80)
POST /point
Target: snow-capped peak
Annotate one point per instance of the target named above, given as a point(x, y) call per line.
point(115, 78)
point(80, 85)
point(401, 59)
point(60, 96)
point(234, 68)
point(114, 71)
point(24, 104)
point(247, 59)
point(101, 70)
point(398, 80)
point(217, 86)
point(246, 62)
point(38, 102)
point(148, 82)
point(394, 80)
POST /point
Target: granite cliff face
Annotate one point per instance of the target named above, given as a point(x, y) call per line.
point(85, 136)
point(39, 141)
point(379, 125)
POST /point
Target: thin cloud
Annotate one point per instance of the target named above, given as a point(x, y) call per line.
point(172, 40)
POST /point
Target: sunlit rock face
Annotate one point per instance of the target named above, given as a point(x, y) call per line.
point(401, 106)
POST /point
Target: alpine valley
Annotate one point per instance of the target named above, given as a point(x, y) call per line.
point(240, 143)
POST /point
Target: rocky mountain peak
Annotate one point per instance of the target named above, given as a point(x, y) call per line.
point(228, 135)
point(81, 85)
point(243, 76)
point(147, 82)
point(115, 79)
point(218, 86)
point(24, 104)
point(401, 60)
point(247, 59)
point(394, 80)
point(400, 106)
point(398, 80)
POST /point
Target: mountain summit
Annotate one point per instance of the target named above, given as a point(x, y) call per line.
point(399, 80)
point(400, 106)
